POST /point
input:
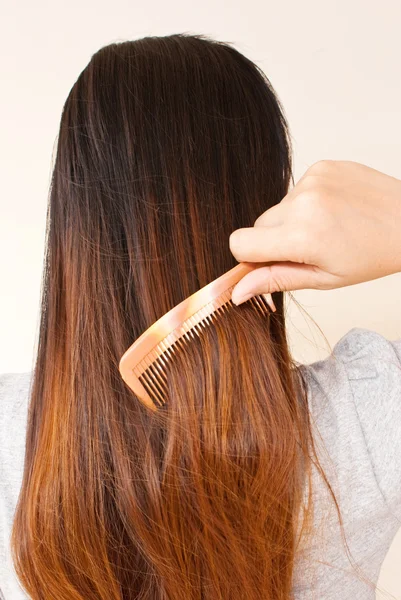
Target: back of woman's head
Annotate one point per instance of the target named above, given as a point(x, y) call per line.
point(166, 145)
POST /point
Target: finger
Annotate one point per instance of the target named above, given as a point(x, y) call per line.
point(278, 278)
point(267, 244)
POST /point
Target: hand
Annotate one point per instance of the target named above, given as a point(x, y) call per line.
point(340, 225)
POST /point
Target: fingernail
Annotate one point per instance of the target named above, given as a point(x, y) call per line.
point(242, 299)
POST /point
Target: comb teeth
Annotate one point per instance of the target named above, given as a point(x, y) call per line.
point(151, 370)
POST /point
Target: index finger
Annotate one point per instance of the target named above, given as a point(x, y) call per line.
point(266, 244)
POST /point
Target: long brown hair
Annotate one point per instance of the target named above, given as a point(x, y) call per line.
point(166, 145)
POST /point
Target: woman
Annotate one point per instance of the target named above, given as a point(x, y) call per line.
point(246, 482)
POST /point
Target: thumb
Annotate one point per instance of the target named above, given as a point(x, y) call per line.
point(278, 277)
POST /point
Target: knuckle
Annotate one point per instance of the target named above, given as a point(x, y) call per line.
point(278, 283)
point(260, 221)
point(271, 281)
point(309, 198)
point(312, 180)
point(279, 280)
point(321, 167)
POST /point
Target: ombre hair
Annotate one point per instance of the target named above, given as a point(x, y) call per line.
point(166, 146)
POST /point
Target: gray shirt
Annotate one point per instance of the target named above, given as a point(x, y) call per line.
point(355, 403)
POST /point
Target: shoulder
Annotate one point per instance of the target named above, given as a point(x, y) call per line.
point(357, 389)
point(372, 364)
point(378, 403)
point(364, 344)
point(359, 354)
point(363, 369)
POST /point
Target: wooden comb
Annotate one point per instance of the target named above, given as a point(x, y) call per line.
point(143, 365)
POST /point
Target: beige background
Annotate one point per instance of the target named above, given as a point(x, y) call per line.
point(335, 66)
